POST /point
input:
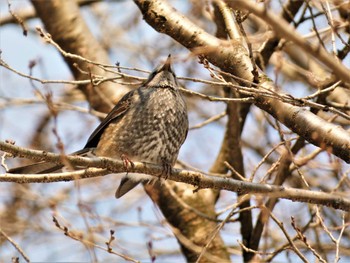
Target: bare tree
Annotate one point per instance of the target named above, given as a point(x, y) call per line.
point(267, 89)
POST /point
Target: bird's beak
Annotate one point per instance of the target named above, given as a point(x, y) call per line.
point(167, 64)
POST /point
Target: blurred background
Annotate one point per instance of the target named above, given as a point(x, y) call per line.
point(88, 207)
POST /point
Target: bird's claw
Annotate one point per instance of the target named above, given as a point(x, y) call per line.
point(166, 171)
point(126, 162)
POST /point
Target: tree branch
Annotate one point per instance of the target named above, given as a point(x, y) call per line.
point(201, 181)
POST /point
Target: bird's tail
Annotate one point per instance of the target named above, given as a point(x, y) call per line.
point(125, 186)
point(37, 168)
point(46, 167)
point(131, 180)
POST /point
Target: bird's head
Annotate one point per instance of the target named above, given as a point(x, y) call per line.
point(162, 76)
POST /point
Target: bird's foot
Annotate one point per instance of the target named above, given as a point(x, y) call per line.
point(167, 169)
point(127, 162)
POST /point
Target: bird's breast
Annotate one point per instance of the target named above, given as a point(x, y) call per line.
point(152, 130)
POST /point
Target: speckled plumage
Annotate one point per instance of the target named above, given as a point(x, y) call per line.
point(148, 124)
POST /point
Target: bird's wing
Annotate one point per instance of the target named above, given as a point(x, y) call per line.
point(46, 167)
point(117, 113)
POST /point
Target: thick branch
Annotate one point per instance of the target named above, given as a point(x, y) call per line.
point(332, 138)
point(197, 179)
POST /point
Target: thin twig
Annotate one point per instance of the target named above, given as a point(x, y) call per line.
point(290, 240)
point(208, 121)
point(83, 240)
point(17, 247)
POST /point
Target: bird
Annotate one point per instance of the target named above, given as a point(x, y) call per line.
point(149, 124)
